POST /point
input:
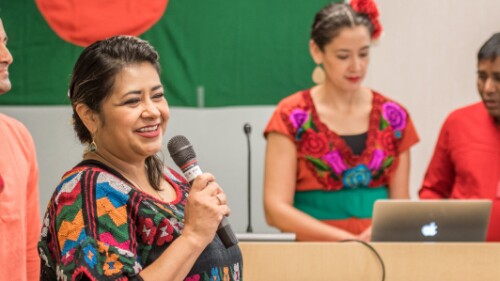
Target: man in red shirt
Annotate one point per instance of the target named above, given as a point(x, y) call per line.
point(19, 207)
point(466, 160)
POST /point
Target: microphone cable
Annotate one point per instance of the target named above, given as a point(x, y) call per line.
point(373, 250)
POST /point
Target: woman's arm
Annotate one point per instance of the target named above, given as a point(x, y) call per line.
point(399, 184)
point(203, 214)
point(279, 188)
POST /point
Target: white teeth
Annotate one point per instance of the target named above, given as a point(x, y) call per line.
point(148, 129)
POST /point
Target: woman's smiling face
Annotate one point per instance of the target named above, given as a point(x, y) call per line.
point(134, 116)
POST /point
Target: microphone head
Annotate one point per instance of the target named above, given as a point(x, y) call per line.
point(247, 128)
point(181, 150)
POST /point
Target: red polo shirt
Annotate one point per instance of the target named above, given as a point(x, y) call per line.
point(466, 162)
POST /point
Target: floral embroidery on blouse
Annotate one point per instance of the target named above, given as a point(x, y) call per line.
point(332, 160)
point(393, 115)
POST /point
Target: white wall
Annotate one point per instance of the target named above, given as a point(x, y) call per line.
point(426, 59)
point(216, 134)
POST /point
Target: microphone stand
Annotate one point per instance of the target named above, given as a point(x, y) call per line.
point(247, 129)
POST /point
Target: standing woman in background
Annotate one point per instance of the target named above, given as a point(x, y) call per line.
point(120, 214)
point(334, 149)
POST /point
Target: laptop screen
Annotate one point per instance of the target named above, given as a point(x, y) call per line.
point(430, 220)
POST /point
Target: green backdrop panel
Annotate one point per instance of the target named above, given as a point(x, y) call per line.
point(235, 52)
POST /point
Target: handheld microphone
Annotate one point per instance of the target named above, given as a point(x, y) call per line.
point(248, 129)
point(183, 154)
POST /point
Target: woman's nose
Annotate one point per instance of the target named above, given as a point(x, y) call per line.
point(355, 63)
point(150, 109)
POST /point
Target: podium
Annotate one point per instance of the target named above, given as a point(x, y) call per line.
point(311, 261)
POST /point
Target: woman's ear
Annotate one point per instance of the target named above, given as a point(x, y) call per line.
point(89, 118)
point(316, 52)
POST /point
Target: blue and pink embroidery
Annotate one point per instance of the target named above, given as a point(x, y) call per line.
point(330, 157)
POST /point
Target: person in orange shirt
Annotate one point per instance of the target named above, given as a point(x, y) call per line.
point(19, 206)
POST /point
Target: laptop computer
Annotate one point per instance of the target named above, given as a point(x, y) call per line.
point(430, 220)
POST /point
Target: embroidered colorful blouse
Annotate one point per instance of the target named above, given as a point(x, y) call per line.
point(99, 227)
point(334, 184)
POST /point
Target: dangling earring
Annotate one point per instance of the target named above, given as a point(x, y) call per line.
point(92, 146)
point(318, 75)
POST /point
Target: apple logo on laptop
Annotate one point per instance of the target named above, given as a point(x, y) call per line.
point(430, 229)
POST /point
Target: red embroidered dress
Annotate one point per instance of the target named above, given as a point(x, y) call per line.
point(333, 184)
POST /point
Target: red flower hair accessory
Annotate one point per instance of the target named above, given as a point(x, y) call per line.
point(369, 8)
